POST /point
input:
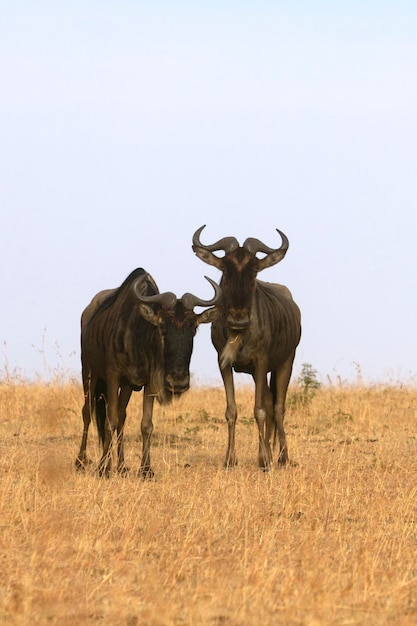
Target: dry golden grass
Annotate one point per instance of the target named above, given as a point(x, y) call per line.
point(331, 541)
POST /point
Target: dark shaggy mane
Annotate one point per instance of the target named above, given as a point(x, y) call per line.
point(139, 271)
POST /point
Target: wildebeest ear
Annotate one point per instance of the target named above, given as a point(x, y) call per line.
point(208, 257)
point(149, 314)
point(271, 259)
point(207, 316)
point(273, 255)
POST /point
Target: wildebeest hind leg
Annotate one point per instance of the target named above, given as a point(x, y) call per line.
point(124, 397)
point(111, 424)
point(279, 386)
point(89, 383)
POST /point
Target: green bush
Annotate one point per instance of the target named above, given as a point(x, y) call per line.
point(307, 385)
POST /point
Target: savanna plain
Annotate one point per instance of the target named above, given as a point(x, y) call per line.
point(331, 539)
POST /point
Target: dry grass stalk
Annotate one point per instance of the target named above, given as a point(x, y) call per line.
point(330, 541)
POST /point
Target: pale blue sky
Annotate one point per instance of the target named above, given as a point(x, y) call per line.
point(124, 126)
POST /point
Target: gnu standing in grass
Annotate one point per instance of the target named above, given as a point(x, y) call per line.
point(134, 337)
point(256, 331)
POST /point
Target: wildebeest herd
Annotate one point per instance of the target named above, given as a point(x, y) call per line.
point(134, 338)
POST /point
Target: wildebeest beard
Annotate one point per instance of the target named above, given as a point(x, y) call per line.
point(230, 350)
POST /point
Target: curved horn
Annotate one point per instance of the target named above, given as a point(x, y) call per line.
point(166, 300)
point(228, 244)
point(205, 253)
point(273, 255)
point(190, 301)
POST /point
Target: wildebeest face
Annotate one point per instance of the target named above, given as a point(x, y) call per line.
point(238, 287)
point(239, 267)
point(177, 325)
point(177, 330)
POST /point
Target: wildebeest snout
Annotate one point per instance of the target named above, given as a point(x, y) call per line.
point(178, 382)
point(238, 319)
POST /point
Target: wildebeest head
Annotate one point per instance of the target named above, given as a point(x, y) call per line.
point(239, 267)
point(177, 324)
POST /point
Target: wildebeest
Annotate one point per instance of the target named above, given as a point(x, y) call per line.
point(134, 337)
point(257, 332)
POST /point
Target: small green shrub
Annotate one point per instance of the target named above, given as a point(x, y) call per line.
point(307, 386)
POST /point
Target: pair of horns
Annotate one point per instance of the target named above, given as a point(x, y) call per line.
point(229, 244)
point(168, 300)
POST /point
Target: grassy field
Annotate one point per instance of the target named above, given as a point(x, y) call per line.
point(332, 540)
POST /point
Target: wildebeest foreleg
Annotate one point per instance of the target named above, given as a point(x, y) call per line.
point(145, 469)
point(89, 384)
point(124, 397)
point(231, 416)
point(263, 417)
point(282, 380)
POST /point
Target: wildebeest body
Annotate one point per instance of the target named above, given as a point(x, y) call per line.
point(274, 330)
point(115, 337)
point(256, 332)
point(134, 337)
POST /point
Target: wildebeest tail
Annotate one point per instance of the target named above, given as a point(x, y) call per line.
point(100, 401)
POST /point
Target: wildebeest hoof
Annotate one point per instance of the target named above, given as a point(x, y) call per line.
point(103, 471)
point(229, 466)
point(82, 464)
point(230, 461)
point(283, 459)
point(282, 464)
point(146, 473)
